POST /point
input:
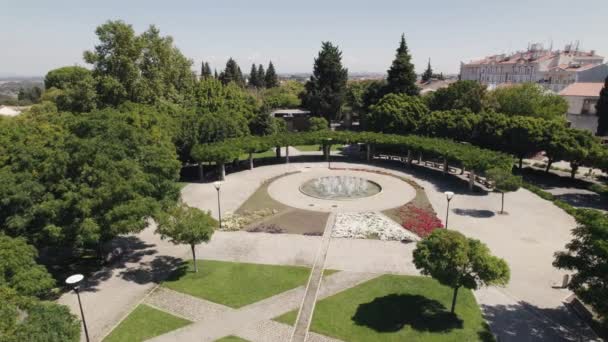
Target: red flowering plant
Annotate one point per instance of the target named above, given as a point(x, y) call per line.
point(420, 221)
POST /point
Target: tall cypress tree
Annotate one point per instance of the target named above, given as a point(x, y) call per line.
point(205, 70)
point(271, 77)
point(326, 90)
point(401, 76)
point(253, 76)
point(428, 73)
point(261, 76)
point(232, 73)
point(602, 111)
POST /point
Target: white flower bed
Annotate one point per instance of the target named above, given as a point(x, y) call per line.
point(370, 225)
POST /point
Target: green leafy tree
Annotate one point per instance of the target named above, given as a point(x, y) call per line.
point(587, 255)
point(19, 270)
point(271, 79)
point(602, 111)
point(457, 261)
point(75, 86)
point(459, 125)
point(186, 225)
point(326, 90)
point(232, 73)
point(503, 181)
point(528, 99)
point(396, 113)
point(284, 96)
point(401, 76)
point(27, 319)
point(428, 73)
point(469, 95)
point(253, 77)
point(205, 70)
point(317, 124)
point(263, 124)
point(261, 78)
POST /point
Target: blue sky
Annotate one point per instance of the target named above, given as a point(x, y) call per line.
point(41, 35)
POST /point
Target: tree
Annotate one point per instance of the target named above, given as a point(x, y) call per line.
point(19, 270)
point(261, 78)
point(253, 77)
point(326, 89)
point(263, 124)
point(457, 261)
point(186, 225)
point(459, 95)
point(528, 99)
point(76, 85)
point(587, 255)
point(401, 75)
point(396, 113)
point(144, 68)
point(27, 319)
point(205, 70)
point(317, 124)
point(232, 73)
point(601, 109)
point(271, 80)
point(428, 73)
point(503, 181)
point(286, 95)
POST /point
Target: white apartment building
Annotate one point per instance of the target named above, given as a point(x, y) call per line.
point(552, 69)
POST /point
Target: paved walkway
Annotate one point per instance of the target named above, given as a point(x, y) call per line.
point(213, 321)
point(526, 238)
point(314, 283)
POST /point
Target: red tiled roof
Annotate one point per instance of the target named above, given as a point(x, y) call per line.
point(582, 89)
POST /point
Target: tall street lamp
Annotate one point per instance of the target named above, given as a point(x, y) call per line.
point(217, 186)
point(448, 195)
point(74, 281)
point(328, 149)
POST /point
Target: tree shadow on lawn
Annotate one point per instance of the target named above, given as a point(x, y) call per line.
point(157, 270)
point(391, 313)
point(584, 200)
point(477, 213)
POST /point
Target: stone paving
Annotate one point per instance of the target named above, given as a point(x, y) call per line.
point(213, 321)
point(526, 238)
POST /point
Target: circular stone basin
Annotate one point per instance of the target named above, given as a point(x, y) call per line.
point(340, 187)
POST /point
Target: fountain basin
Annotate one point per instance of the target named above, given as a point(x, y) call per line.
point(340, 187)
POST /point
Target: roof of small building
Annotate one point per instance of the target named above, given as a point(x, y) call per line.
point(290, 111)
point(9, 111)
point(582, 89)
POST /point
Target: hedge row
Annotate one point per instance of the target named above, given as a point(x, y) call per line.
point(461, 154)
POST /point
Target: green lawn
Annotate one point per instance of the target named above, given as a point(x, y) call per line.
point(309, 148)
point(144, 323)
point(398, 308)
point(236, 284)
point(231, 338)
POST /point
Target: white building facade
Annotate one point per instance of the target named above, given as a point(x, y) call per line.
point(535, 65)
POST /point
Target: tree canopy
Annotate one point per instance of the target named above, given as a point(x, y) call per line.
point(271, 79)
point(457, 261)
point(326, 89)
point(587, 255)
point(396, 113)
point(528, 99)
point(468, 95)
point(186, 225)
point(401, 75)
point(602, 111)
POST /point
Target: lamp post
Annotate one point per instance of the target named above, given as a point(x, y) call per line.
point(73, 281)
point(328, 148)
point(448, 195)
point(217, 186)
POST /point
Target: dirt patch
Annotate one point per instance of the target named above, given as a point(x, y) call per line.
point(261, 200)
point(297, 221)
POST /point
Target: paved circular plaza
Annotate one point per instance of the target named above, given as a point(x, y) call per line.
point(394, 192)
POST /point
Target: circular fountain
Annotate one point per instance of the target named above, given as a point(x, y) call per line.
point(341, 187)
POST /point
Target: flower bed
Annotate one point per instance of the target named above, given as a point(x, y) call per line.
point(234, 222)
point(369, 225)
point(420, 221)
